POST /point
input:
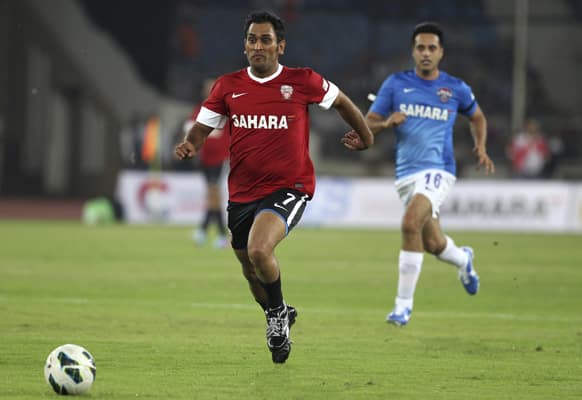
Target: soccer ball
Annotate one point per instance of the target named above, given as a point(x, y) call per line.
point(70, 369)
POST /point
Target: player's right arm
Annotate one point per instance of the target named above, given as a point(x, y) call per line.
point(212, 115)
point(193, 141)
point(377, 123)
point(380, 116)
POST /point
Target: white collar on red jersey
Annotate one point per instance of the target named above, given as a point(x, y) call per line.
point(266, 79)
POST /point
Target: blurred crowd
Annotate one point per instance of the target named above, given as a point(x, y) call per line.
point(479, 55)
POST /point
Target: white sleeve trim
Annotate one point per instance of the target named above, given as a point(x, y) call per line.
point(330, 96)
point(211, 118)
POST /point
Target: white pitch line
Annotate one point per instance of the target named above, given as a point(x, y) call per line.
point(342, 310)
point(424, 314)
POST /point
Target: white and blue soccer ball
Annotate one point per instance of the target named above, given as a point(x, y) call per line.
point(70, 369)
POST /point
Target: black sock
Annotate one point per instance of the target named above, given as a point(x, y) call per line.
point(274, 293)
point(263, 305)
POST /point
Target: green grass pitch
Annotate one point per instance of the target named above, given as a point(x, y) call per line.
point(167, 320)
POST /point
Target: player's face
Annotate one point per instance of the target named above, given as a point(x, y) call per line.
point(262, 49)
point(427, 53)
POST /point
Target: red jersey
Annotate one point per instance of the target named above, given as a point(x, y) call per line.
point(529, 154)
point(215, 149)
point(269, 128)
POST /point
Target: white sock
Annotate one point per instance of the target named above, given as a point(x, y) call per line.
point(409, 266)
point(402, 304)
point(453, 255)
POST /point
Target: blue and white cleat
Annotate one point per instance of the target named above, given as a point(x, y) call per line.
point(468, 276)
point(399, 316)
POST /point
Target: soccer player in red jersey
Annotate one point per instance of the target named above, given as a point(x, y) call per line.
point(271, 176)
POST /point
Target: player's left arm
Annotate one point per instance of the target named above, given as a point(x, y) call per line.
point(361, 137)
point(193, 141)
point(478, 125)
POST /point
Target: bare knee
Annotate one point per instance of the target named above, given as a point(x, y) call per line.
point(259, 255)
point(410, 226)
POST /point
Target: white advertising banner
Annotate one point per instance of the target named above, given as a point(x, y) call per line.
point(363, 202)
point(577, 209)
point(178, 198)
point(509, 205)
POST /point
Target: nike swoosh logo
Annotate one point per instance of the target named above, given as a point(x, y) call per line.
point(408, 90)
point(280, 206)
point(235, 95)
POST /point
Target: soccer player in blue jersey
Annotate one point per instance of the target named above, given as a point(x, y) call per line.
point(422, 105)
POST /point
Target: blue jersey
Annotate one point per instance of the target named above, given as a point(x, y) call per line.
point(425, 139)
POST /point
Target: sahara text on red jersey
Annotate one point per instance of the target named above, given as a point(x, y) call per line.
point(260, 121)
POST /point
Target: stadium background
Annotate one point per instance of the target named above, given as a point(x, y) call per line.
point(80, 79)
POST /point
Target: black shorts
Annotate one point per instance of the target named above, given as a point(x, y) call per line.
point(288, 204)
point(212, 174)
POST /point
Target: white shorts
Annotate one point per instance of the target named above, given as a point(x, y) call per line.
point(434, 184)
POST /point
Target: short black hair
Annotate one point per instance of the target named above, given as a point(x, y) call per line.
point(429, 27)
point(259, 17)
